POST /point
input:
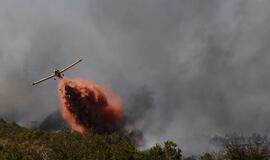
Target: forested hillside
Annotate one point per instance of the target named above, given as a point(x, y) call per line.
point(18, 143)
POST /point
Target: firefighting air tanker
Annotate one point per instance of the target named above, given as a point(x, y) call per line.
point(57, 73)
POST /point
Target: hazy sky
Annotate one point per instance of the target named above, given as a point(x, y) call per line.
point(199, 68)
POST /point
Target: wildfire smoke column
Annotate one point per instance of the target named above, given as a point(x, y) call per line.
point(86, 105)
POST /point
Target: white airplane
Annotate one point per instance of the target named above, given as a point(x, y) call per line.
point(57, 73)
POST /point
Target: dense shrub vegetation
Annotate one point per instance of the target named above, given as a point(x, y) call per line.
point(18, 143)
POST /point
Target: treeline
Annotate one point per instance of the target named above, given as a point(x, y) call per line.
point(18, 143)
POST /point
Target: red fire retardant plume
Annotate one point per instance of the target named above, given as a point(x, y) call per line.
point(88, 106)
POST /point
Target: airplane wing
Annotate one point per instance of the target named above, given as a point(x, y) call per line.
point(43, 79)
point(73, 64)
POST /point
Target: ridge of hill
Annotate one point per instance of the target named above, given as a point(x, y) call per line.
point(19, 143)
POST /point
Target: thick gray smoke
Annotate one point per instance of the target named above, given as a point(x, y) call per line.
point(203, 66)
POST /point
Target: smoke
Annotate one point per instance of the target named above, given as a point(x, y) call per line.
point(53, 122)
point(205, 64)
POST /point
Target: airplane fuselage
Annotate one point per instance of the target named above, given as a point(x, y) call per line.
point(58, 74)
